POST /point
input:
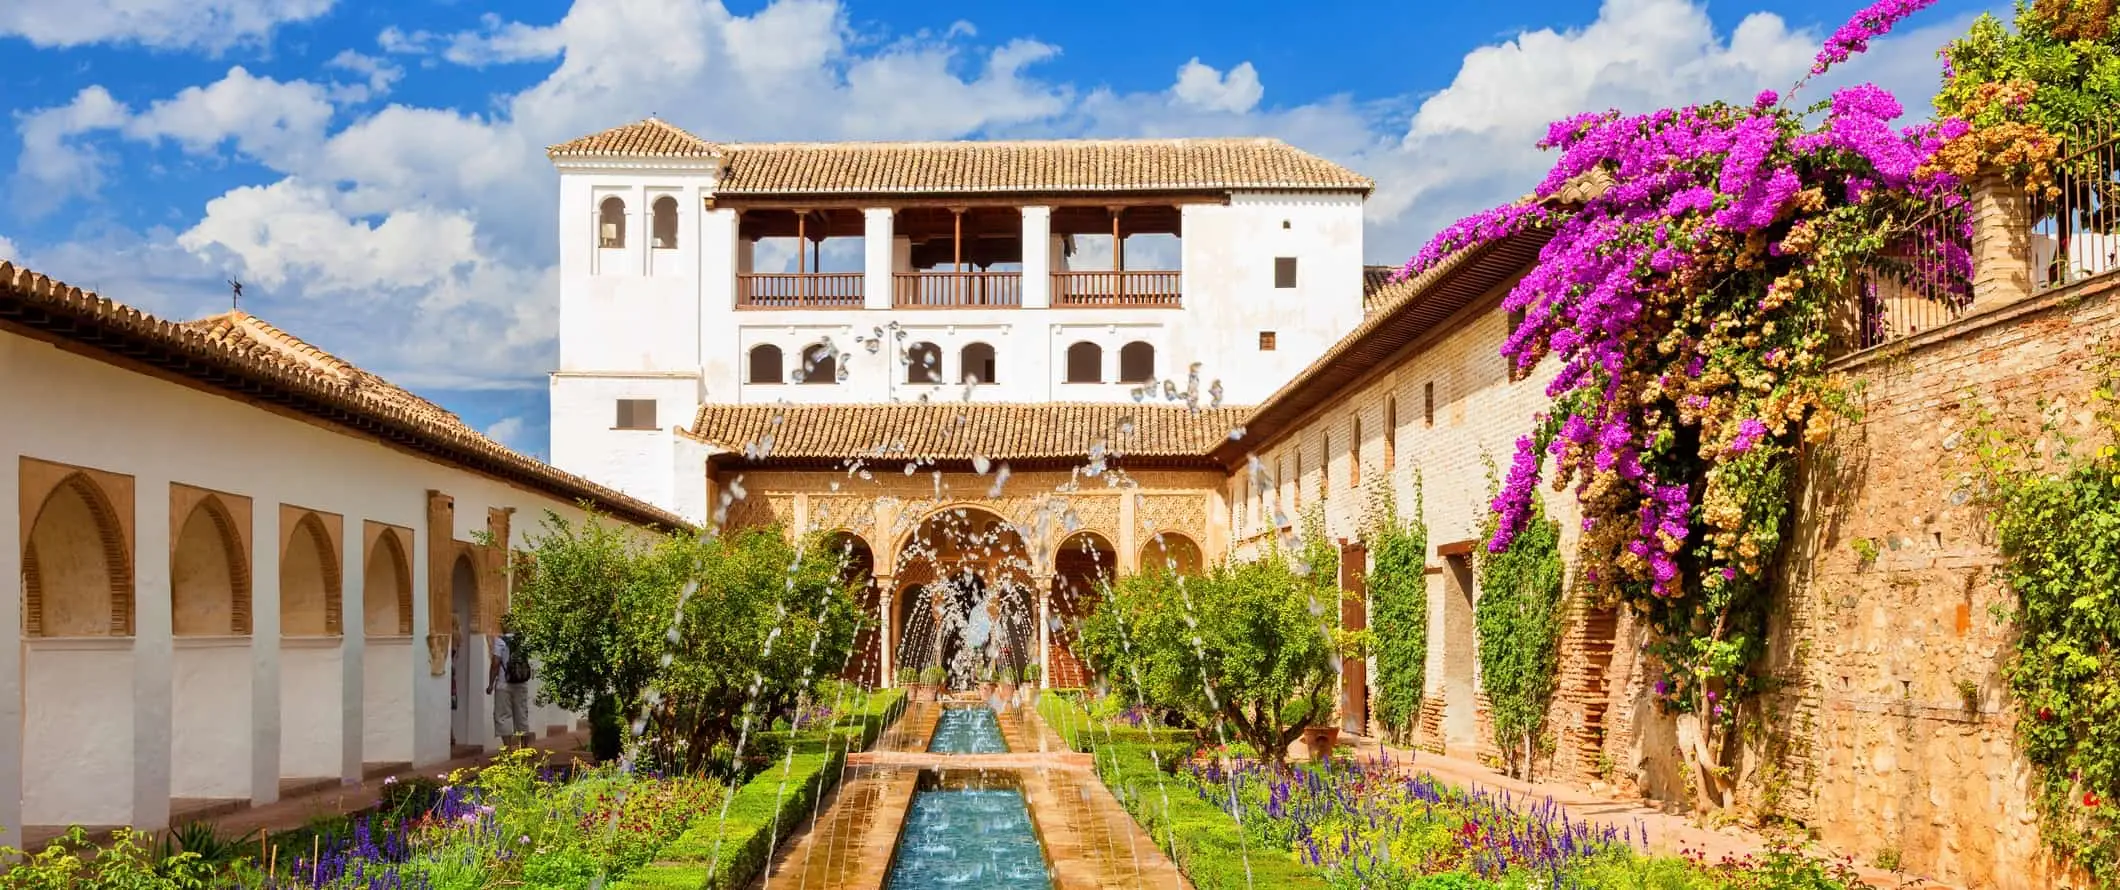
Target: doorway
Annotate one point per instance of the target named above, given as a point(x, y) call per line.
point(463, 585)
point(1354, 616)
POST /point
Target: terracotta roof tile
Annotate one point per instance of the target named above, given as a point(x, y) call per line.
point(245, 357)
point(964, 432)
point(988, 167)
point(651, 138)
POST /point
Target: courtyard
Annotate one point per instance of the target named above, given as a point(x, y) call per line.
point(1736, 510)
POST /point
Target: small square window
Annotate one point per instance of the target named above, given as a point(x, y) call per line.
point(1265, 341)
point(636, 414)
point(1284, 271)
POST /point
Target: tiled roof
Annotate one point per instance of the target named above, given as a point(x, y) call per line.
point(974, 167)
point(651, 138)
point(1377, 285)
point(245, 358)
point(238, 329)
point(943, 431)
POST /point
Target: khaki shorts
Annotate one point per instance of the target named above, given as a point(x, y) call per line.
point(511, 709)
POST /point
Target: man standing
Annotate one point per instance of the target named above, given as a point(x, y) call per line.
point(511, 698)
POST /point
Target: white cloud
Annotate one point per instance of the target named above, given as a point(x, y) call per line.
point(162, 24)
point(509, 431)
point(1201, 86)
point(501, 41)
point(268, 120)
point(53, 165)
point(381, 75)
point(7, 249)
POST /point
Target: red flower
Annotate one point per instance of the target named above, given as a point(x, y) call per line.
point(2046, 715)
point(2090, 799)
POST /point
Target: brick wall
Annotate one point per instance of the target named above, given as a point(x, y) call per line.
point(1873, 744)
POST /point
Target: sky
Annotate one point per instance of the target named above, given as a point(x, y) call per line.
point(374, 172)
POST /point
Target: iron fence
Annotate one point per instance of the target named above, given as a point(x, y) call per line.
point(1921, 279)
point(2075, 219)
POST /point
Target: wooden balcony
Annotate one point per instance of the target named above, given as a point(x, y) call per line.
point(1108, 289)
point(799, 290)
point(957, 290)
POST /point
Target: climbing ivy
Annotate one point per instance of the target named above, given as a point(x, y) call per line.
point(1518, 620)
point(2054, 499)
point(1398, 605)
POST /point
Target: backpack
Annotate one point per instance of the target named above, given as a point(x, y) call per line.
point(518, 669)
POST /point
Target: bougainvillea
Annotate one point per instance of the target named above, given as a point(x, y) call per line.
point(1695, 255)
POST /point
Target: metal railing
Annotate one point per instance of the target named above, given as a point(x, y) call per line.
point(957, 290)
point(799, 290)
point(1117, 289)
point(1921, 280)
point(2075, 219)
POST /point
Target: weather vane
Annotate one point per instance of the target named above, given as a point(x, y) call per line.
point(235, 294)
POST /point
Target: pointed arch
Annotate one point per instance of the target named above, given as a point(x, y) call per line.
point(76, 568)
point(209, 574)
point(1171, 552)
point(309, 578)
point(386, 586)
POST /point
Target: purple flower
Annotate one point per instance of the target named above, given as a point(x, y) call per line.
point(1873, 22)
point(1749, 432)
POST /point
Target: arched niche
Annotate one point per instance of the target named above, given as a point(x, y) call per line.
point(77, 553)
point(209, 573)
point(1137, 362)
point(1085, 363)
point(1171, 552)
point(386, 583)
point(857, 570)
point(764, 364)
point(310, 594)
point(1082, 565)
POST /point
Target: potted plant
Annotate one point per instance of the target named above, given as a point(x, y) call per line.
point(1031, 673)
point(931, 679)
point(909, 680)
point(1005, 685)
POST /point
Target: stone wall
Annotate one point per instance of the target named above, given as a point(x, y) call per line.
point(1893, 601)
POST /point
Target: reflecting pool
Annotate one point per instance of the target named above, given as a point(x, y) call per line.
point(968, 830)
point(968, 731)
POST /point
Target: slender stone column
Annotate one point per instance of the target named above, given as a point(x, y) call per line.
point(885, 643)
point(2002, 254)
point(1045, 631)
point(10, 638)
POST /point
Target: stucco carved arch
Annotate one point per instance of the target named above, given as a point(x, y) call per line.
point(209, 534)
point(1173, 552)
point(311, 592)
point(76, 564)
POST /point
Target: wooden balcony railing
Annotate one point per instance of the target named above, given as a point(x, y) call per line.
point(799, 290)
point(1155, 289)
point(957, 290)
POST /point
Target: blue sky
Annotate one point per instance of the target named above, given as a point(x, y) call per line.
point(374, 171)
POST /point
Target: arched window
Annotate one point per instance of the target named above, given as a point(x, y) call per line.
point(611, 222)
point(977, 364)
point(1354, 457)
point(665, 222)
point(1391, 434)
point(765, 364)
point(1085, 363)
point(923, 363)
point(819, 365)
point(1137, 362)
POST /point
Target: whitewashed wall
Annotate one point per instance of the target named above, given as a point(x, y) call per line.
point(87, 726)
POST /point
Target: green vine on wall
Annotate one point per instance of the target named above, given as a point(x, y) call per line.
point(2054, 499)
point(1398, 605)
point(1518, 617)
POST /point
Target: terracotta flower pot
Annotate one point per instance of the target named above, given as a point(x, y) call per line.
point(1006, 692)
point(1320, 739)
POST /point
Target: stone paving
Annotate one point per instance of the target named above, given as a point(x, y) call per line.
point(1090, 840)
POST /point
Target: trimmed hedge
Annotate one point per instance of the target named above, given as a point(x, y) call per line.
point(766, 809)
point(1202, 839)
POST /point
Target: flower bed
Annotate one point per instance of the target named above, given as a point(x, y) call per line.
point(725, 850)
